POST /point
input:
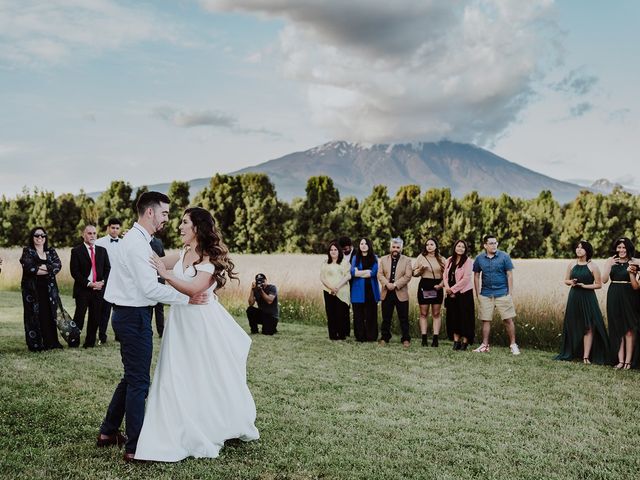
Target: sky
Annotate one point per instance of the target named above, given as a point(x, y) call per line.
point(153, 91)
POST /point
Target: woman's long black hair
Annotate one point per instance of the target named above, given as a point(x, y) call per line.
point(366, 260)
point(463, 257)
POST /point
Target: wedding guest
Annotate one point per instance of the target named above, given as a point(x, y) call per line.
point(265, 296)
point(496, 269)
point(347, 248)
point(40, 265)
point(458, 285)
point(394, 275)
point(429, 266)
point(365, 292)
point(89, 266)
point(583, 332)
point(347, 251)
point(623, 304)
point(111, 242)
point(334, 275)
point(158, 309)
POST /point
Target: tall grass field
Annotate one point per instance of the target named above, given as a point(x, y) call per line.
point(540, 294)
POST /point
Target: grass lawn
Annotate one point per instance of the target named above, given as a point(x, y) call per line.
point(338, 410)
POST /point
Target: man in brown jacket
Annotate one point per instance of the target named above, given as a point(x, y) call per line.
point(394, 275)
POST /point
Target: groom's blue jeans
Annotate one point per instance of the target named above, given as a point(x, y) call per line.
point(132, 325)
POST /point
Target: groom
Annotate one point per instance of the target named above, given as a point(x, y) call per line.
point(132, 288)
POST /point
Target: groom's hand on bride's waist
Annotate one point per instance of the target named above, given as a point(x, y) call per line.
point(200, 299)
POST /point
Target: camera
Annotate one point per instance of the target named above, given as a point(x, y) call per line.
point(261, 279)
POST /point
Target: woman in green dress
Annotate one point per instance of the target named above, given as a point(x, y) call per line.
point(583, 333)
point(623, 304)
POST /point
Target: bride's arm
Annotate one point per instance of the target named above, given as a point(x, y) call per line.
point(170, 260)
point(202, 281)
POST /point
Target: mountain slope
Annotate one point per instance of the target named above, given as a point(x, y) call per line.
point(356, 168)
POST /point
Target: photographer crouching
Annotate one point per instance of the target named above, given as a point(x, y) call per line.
point(266, 313)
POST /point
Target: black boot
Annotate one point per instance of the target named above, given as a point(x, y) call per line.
point(457, 345)
point(434, 342)
point(425, 341)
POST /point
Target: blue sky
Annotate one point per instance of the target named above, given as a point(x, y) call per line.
point(97, 90)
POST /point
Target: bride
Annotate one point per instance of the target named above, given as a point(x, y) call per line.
point(199, 396)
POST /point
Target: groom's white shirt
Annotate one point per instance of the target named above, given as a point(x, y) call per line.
point(133, 282)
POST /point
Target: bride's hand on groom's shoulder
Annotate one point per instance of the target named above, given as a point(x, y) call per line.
point(157, 263)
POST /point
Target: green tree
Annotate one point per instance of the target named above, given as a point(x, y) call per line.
point(315, 227)
point(223, 197)
point(258, 223)
point(67, 217)
point(436, 212)
point(15, 217)
point(376, 218)
point(406, 217)
point(116, 202)
point(179, 195)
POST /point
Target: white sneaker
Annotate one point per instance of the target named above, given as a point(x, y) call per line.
point(515, 350)
point(483, 348)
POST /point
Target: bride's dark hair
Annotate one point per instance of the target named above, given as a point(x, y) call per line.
point(210, 244)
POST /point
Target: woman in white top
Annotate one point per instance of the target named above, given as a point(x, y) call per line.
point(199, 396)
point(334, 275)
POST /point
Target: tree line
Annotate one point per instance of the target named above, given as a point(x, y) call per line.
point(253, 220)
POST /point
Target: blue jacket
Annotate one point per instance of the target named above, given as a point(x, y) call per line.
point(358, 283)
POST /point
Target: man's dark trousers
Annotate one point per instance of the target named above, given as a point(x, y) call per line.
point(388, 304)
point(133, 328)
point(104, 321)
point(258, 317)
point(91, 300)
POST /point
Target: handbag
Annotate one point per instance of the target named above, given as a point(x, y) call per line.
point(66, 326)
point(433, 293)
point(429, 294)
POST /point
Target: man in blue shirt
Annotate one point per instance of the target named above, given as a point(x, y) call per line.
point(496, 270)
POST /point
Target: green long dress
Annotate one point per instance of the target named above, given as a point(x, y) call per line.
point(583, 313)
point(623, 309)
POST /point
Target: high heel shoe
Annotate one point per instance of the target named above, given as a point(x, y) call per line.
point(457, 345)
point(620, 366)
point(586, 361)
point(464, 346)
point(627, 366)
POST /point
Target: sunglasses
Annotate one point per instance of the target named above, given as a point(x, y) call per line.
point(39, 235)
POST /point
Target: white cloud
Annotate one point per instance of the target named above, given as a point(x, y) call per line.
point(412, 69)
point(36, 32)
point(204, 118)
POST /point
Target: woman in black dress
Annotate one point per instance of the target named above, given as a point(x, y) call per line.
point(623, 304)
point(458, 284)
point(583, 332)
point(40, 265)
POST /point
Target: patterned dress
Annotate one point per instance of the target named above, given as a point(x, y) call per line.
point(40, 299)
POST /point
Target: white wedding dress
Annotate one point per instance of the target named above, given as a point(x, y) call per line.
point(199, 396)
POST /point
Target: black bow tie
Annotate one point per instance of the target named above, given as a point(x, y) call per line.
point(114, 240)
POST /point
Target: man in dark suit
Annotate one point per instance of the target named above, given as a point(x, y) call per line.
point(158, 248)
point(90, 269)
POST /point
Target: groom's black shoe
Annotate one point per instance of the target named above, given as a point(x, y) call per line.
point(117, 438)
